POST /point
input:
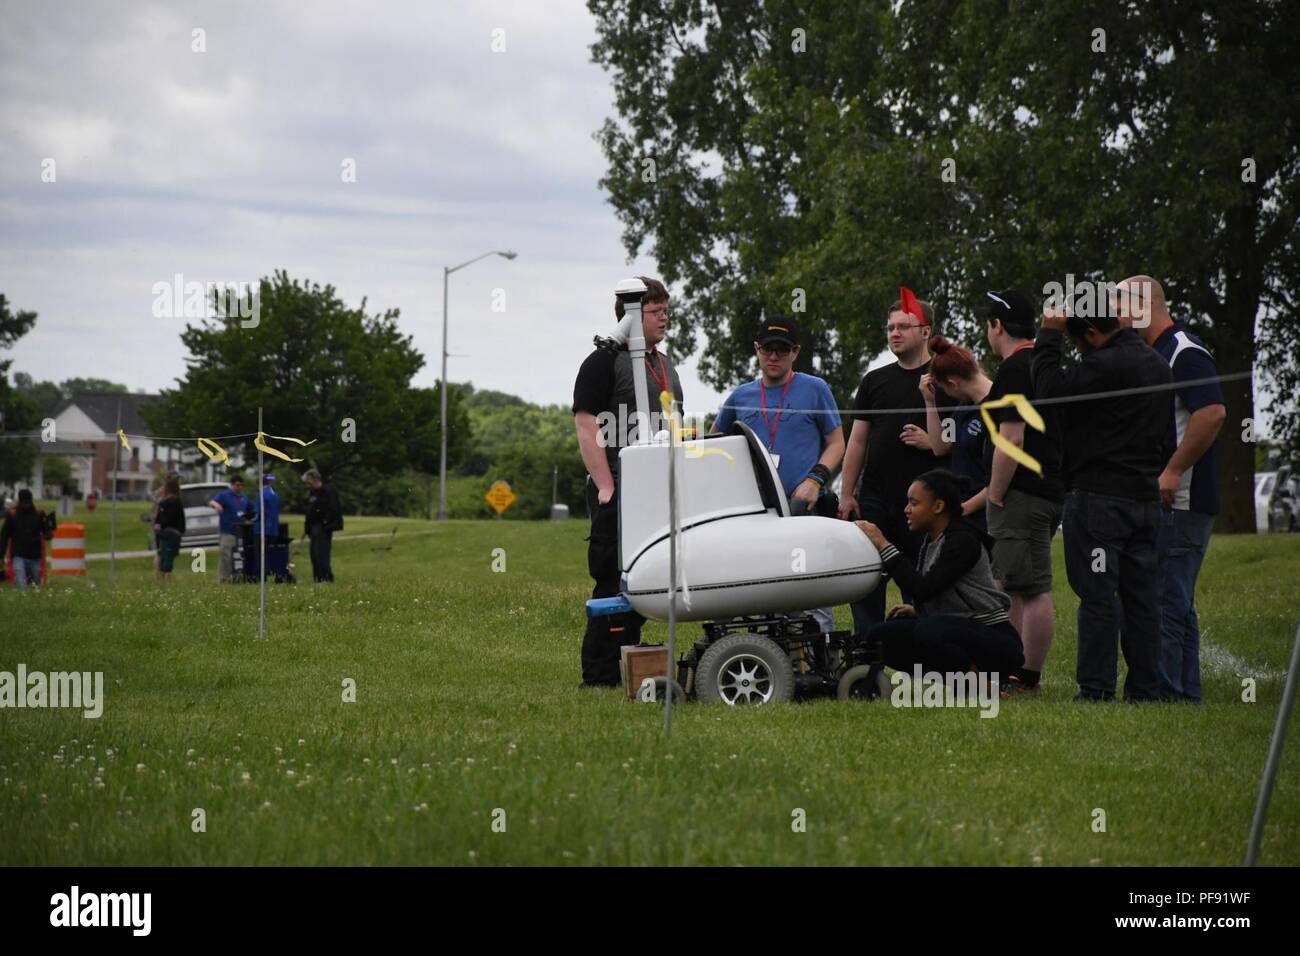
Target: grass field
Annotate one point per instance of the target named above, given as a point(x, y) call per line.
point(467, 705)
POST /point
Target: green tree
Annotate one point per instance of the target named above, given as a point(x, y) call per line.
point(18, 413)
point(843, 150)
point(423, 409)
point(318, 368)
point(533, 468)
point(57, 471)
point(45, 395)
point(72, 386)
point(501, 421)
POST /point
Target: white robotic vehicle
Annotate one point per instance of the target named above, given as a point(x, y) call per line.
point(747, 568)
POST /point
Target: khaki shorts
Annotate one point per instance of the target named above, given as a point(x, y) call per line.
point(1022, 532)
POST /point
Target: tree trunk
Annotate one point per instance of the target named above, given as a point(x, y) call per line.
point(1234, 351)
point(1237, 456)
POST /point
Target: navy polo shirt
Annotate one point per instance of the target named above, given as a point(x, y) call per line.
point(1190, 360)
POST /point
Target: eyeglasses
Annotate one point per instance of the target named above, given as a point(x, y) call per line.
point(775, 349)
point(889, 329)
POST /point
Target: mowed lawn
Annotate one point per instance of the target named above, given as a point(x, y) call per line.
point(468, 713)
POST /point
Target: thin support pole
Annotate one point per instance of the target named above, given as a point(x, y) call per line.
point(1274, 754)
point(112, 524)
point(442, 418)
point(261, 520)
point(673, 532)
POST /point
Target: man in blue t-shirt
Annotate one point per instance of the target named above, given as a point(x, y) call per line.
point(1189, 484)
point(230, 504)
point(271, 507)
point(794, 416)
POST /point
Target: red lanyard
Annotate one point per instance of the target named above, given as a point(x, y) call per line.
point(650, 367)
point(1022, 345)
point(774, 424)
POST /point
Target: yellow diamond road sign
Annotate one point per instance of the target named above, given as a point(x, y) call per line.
point(500, 497)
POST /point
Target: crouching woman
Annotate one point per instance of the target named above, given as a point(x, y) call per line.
point(958, 621)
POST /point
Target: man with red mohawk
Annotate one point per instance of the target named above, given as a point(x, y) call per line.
point(878, 464)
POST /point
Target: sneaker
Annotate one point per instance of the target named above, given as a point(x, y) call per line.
point(1013, 686)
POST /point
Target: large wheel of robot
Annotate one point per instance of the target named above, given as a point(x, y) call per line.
point(745, 669)
point(859, 683)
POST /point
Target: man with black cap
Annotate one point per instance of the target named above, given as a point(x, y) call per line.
point(795, 416)
point(1023, 509)
point(1113, 456)
point(605, 416)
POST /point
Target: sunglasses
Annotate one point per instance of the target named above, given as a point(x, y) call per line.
point(775, 349)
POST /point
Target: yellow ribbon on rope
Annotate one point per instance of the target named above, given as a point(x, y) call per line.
point(261, 445)
point(122, 437)
point(219, 456)
point(1031, 417)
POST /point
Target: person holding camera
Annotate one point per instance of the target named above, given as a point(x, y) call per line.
point(1113, 457)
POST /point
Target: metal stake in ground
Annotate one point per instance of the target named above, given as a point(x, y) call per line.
point(261, 518)
point(112, 523)
point(1274, 753)
point(673, 533)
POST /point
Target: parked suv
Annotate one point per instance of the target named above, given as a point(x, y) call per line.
point(1284, 502)
point(201, 528)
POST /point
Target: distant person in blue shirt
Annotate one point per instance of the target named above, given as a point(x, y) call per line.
point(1189, 484)
point(230, 505)
point(270, 508)
point(794, 416)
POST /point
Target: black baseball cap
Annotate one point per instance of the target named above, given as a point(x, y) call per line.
point(1012, 308)
point(777, 328)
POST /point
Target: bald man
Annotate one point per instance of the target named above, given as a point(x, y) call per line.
point(1189, 483)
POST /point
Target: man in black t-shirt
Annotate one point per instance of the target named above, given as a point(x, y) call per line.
point(605, 415)
point(1023, 510)
point(876, 452)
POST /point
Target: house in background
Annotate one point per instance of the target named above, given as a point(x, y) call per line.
point(85, 432)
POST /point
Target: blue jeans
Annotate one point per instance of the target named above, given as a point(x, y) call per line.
point(27, 571)
point(1110, 558)
point(1180, 547)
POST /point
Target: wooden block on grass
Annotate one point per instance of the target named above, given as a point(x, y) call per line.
point(639, 661)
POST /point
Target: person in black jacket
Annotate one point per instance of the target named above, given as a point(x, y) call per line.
point(1112, 462)
point(169, 527)
point(25, 526)
point(324, 517)
point(958, 621)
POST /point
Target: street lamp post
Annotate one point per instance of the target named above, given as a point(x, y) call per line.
point(442, 431)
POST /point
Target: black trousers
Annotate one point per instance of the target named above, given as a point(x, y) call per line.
point(949, 644)
point(321, 540)
point(869, 611)
point(605, 637)
point(1110, 557)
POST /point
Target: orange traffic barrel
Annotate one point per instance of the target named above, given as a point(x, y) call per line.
point(68, 550)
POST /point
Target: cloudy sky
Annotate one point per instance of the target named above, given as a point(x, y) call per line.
point(225, 165)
